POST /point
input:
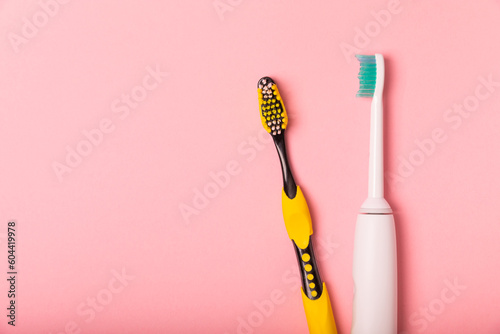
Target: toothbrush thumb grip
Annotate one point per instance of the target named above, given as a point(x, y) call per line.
point(319, 314)
point(297, 218)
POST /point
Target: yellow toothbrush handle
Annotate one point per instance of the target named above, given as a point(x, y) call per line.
point(314, 293)
point(319, 314)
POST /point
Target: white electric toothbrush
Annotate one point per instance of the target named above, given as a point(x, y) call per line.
point(374, 264)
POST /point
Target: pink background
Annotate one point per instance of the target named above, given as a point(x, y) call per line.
point(215, 271)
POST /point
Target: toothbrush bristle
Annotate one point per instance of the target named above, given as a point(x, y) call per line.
point(272, 109)
point(367, 75)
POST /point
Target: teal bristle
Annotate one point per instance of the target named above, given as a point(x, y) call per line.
point(367, 75)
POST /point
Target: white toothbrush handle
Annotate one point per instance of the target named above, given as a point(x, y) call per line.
point(375, 275)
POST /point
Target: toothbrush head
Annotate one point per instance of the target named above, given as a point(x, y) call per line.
point(371, 75)
point(272, 109)
point(367, 75)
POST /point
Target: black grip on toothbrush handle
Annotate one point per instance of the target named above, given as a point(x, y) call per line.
point(309, 273)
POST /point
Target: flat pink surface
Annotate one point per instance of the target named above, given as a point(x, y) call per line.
point(113, 235)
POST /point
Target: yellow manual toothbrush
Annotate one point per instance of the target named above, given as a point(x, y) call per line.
point(296, 215)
